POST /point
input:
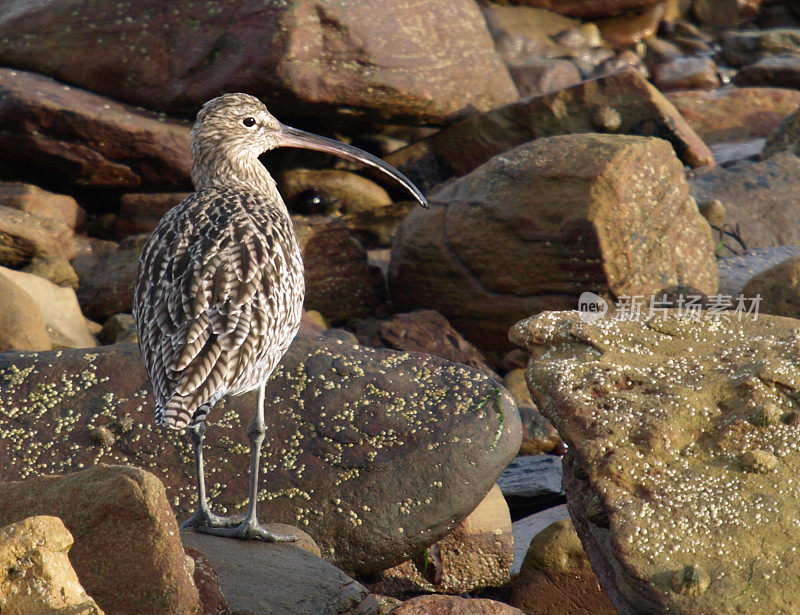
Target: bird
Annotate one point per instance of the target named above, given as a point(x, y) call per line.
point(220, 285)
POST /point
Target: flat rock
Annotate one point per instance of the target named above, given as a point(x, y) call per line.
point(741, 47)
point(71, 135)
point(279, 579)
point(526, 528)
point(622, 102)
point(127, 553)
point(556, 576)
point(496, 244)
point(759, 198)
point(59, 307)
point(531, 483)
point(735, 113)
point(34, 200)
point(736, 271)
point(687, 73)
point(38, 575)
point(359, 452)
point(453, 605)
point(312, 58)
point(684, 450)
point(781, 71)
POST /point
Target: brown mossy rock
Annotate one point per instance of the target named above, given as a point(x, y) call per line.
point(684, 453)
point(258, 577)
point(536, 226)
point(317, 58)
point(22, 325)
point(556, 576)
point(37, 574)
point(75, 136)
point(622, 102)
point(127, 552)
point(735, 114)
point(360, 452)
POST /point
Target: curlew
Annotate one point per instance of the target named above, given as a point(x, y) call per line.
point(220, 288)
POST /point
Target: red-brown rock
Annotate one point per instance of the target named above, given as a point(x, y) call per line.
point(206, 580)
point(316, 58)
point(140, 212)
point(34, 200)
point(590, 9)
point(453, 605)
point(76, 136)
point(127, 552)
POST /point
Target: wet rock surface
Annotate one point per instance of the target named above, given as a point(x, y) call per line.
point(683, 448)
point(496, 244)
point(355, 455)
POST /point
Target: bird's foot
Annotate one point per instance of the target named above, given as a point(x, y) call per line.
point(247, 529)
point(201, 520)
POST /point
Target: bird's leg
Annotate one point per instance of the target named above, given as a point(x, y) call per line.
point(249, 526)
point(203, 517)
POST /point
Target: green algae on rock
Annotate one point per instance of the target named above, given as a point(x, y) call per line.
point(682, 503)
point(375, 453)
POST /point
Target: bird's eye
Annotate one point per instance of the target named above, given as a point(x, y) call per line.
point(249, 122)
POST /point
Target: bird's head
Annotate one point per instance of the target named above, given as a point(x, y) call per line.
point(233, 130)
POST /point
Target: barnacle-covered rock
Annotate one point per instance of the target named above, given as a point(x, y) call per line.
point(375, 453)
point(681, 477)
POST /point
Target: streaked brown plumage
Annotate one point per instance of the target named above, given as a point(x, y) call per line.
point(220, 289)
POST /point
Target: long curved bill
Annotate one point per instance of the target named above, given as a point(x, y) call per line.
point(293, 137)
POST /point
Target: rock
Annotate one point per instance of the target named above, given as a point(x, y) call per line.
point(490, 248)
point(117, 329)
point(478, 553)
point(28, 240)
point(785, 137)
point(107, 281)
point(313, 58)
point(759, 199)
point(531, 483)
point(34, 200)
point(127, 553)
point(340, 284)
point(687, 73)
point(333, 191)
point(525, 529)
point(630, 29)
point(538, 435)
point(140, 212)
point(72, 135)
point(735, 114)
point(778, 289)
point(556, 576)
point(38, 577)
point(359, 453)
point(639, 107)
point(206, 580)
point(378, 226)
point(428, 331)
point(22, 325)
point(724, 13)
point(59, 308)
point(453, 605)
point(257, 577)
point(781, 71)
point(741, 47)
point(659, 497)
point(536, 79)
point(590, 9)
point(737, 270)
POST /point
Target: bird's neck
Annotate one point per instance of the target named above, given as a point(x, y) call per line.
point(244, 173)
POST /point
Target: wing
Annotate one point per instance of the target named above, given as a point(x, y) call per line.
point(211, 289)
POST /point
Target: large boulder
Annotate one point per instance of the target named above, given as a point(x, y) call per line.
point(38, 577)
point(623, 102)
point(537, 226)
point(360, 446)
point(310, 57)
point(681, 475)
point(70, 135)
point(127, 552)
